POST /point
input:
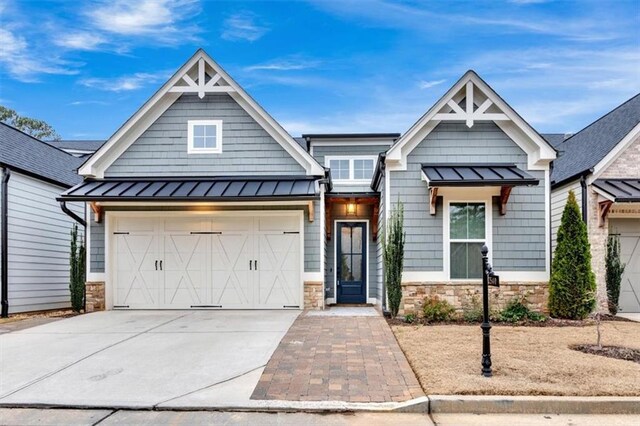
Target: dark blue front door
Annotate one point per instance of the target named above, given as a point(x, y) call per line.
point(351, 262)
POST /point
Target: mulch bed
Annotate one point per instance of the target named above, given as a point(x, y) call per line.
point(58, 313)
point(617, 352)
point(549, 322)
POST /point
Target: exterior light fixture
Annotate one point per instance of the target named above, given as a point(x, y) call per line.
point(351, 208)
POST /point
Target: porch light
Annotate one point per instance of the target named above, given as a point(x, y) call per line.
point(351, 208)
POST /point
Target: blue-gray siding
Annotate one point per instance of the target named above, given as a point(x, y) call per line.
point(518, 237)
point(559, 198)
point(320, 152)
point(38, 246)
point(247, 149)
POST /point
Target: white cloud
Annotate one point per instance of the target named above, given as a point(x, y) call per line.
point(287, 64)
point(429, 84)
point(24, 64)
point(243, 26)
point(80, 41)
point(88, 102)
point(124, 83)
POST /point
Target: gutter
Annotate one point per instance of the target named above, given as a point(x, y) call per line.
point(71, 214)
point(4, 213)
point(583, 186)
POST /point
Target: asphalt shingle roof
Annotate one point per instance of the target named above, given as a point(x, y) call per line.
point(82, 145)
point(555, 139)
point(590, 145)
point(21, 151)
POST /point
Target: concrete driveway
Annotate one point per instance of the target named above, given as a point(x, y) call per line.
point(141, 358)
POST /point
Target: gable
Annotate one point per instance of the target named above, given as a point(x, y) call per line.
point(247, 148)
point(468, 102)
point(199, 76)
point(626, 163)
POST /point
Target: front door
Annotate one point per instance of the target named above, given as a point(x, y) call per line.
point(351, 262)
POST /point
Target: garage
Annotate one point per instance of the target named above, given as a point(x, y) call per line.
point(629, 231)
point(222, 260)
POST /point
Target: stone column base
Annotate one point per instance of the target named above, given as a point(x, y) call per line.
point(313, 295)
point(94, 296)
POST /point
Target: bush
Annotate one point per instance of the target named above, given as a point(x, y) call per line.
point(393, 257)
point(76, 272)
point(436, 310)
point(410, 318)
point(572, 286)
point(615, 269)
point(517, 310)
point(473, 312)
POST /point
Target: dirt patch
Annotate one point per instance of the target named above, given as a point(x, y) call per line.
point(526, 360)
point(617, 352)
point(60, 313)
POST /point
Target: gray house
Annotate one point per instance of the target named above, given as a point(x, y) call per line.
point(202, 200)
point(601, 164)
point(35, 232)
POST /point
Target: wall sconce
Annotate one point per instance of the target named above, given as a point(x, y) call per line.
point(352, 208)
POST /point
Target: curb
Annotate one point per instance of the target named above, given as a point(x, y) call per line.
point(494, 404)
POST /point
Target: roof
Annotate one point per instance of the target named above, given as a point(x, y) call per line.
point(555, 139)
point(196, 189)
point(350, 135)
point(620, 190)
point(584, 150)
point(35, 157)
point(79, 145)
point(476, 175)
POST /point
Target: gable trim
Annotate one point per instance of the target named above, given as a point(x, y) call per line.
point(151, 110)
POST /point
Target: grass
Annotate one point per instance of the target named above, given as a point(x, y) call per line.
point(526, 360)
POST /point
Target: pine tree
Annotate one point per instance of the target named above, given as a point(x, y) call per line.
point(615, 270)
point(77, 271)
point(572, 288)
point(393, 254)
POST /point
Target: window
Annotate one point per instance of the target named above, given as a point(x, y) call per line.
point(204, 136)
point(467, 234)
point(351, 169)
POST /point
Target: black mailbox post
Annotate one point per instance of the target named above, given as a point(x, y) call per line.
point(488, 278)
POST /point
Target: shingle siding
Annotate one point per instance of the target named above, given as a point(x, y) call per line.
point(247, 149)
point(96, 246)
point(518, 237)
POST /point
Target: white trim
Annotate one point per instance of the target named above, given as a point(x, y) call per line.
point(372, 301)
point(424, 276)
point(108, 218)
point(441, 278)
point(613, 155)
point(190, 141)
point(603, 193)
point(96, 165)
point(323, 243)
point(330, 301)
point(335, 254)
point(351, 158)
point(312, 276)
point(343, 142)
point(547, 224)
point(529, 140)
point(201, 203)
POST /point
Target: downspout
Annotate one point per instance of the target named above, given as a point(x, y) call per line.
point(383, 166)
point(6, 174)
point(583, 186)
point(72, 215)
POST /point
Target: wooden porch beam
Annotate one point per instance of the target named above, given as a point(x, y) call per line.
point(505, 192)
point(97, 211)
point(374, 225)
point(311, 212)
point(603, 209)
point(433, 198)
point(327, 218)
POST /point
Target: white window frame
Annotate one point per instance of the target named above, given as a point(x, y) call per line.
point(193, 150)
point(466, 195)
point(351, 180)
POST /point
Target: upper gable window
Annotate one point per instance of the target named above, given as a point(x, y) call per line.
point(351, 169)
point(204, 136)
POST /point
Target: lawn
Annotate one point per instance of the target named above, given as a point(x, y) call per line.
point(526, 360)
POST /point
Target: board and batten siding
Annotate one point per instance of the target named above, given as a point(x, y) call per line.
point(312, 256)
point(320, 152)
point(518, 237)
point(559, 198)
point(247, 149)
point(38, 246)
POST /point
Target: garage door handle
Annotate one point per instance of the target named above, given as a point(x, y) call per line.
point(156, 265)
point(256, 264)
point(161, 265)
point(250, 266)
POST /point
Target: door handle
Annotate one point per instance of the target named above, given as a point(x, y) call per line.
point(156, 265)
point(250, 266)
point(255, 264)
point(161, 265)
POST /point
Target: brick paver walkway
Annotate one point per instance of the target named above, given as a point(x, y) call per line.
point(354, 359)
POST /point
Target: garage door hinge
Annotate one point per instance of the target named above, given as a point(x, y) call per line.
point(291, 232)
point(205, 233)
point(120, 233)
point(291, 306)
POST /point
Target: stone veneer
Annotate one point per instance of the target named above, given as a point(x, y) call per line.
point(94, 294)
point(313, 295)
point(460, 295)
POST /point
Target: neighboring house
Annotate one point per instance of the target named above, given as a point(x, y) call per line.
point(78, 148)
point(601, 164)
point(202, 200)
point(35, 232)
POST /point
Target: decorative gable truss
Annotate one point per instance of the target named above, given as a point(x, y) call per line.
point(471, 113)
point(202, 79)
point(199, 75)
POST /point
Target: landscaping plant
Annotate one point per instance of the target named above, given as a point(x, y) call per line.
point(517, 310)
point(615, 269)
point(436, 310)
point(572, 286)
point(393, 256)
point(77, 269)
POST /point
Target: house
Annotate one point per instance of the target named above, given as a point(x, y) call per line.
point(78, 148)
point(202, 200)
point(35, 232)
point(601, 164)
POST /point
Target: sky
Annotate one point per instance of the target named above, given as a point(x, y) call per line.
point(320, 66)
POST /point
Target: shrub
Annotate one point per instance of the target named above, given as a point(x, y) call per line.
point(472, 311)
point(517, 310)
point(572, 286)
point(76, 272)
point(410, 318)
point(615, 269)
point(393, 256)
point(436, 310)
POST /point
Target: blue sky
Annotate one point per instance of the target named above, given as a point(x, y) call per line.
point(320, 66)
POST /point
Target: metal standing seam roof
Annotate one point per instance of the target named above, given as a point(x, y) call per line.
point(443, 174)
point(622, 190)
point(195, 189)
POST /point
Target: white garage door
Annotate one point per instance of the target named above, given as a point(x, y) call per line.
point(222, 261)
point(629, 230)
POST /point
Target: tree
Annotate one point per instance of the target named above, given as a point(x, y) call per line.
point(393, 256)
point(77, 269)
point(572, 287)
point(615, 269)
point(31, 126)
